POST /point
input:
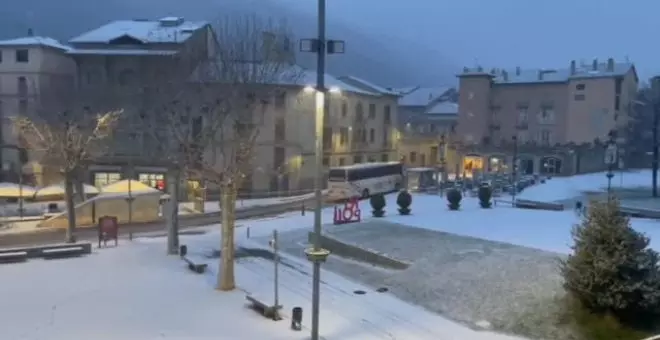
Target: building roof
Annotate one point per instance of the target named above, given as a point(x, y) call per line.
point(352, 80)
point(164, 30)
point(403, 90)
point(117, 52)
point(443, 108)
point(35, 41)
point(279, 74)
point(582, 71)
point(423, 96)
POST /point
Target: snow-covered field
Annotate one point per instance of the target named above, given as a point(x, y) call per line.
point(136, 292)
point(561, 188)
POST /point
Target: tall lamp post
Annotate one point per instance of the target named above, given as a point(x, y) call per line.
point(514, 171)
point(610, 160)
point(440, 181)
point(317, 255)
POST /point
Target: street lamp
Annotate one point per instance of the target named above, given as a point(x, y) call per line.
point(442, 166)
point(610, 160)
point(317, 255)
point(514, 171)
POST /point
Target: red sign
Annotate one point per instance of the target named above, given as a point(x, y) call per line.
point(160, 184)
point(108, 230)
point(349, 214)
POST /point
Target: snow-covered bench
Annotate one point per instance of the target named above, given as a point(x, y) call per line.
point(13, 256)
point(265, 309)
point(68, 251)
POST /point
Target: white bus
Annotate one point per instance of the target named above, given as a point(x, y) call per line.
point(363, 180)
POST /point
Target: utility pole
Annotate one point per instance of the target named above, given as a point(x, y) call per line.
point(317, 255)
point(514, 171)
point(655, 86)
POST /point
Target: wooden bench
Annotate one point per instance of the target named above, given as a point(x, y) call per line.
point(58, 253)
point(13, 257)
point(198, 268)
point(267, 310)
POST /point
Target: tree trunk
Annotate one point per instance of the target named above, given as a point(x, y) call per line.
point(171, 211)
point(70, 208)
point(78, 186)
point(226, 279)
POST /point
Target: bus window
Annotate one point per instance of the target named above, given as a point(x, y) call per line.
point(337, 175)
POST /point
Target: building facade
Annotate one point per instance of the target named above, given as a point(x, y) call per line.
point(555, 120)
point(427, 119)
point(116, 63)
point(33, 72)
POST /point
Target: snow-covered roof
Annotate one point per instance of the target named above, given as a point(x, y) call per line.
point(35, 41)
point(165, 30)
point(258, 72)
point(403, 90)
point(423, 96)
point(352, 80)
point(443, 108)
point(120, 52)
point(562, 75)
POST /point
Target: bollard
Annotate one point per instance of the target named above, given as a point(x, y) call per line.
point(247, 232)
point(183, 250)
point(296, 318)
point(302, 210)
point(130, 236)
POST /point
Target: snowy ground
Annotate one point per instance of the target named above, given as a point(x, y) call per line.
point(561, 188)
point(136, 292)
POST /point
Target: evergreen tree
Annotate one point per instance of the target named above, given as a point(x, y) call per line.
point(612, 270)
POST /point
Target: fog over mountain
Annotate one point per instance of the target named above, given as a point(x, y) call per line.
point(396, 42)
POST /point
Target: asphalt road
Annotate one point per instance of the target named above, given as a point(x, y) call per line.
point(48, 236)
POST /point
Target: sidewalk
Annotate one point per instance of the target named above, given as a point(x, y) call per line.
point(345, 315)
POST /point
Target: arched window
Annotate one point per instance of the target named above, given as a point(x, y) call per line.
point(550, 165)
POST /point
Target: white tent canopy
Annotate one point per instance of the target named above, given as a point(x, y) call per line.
point(60, 190)
point(14, 190)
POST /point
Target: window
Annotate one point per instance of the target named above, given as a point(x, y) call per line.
point(327, 138)
point(580, 87)
point(22, 86)
point(387, 112)
point(104, 178)
point(280, 100)
point(547, 115)
point(545, 137)
point(22, 107)
point(618, 84)
point(22, 56)
point(342, 161)
point(0, 56)
point(413, 157)
point(151, 179)
point(343, 136)
point(280, 129)
point(344, 109)
point(357, 159)
point(372, 111)
point(359, 112)
point(326, 161)
point(522, 114)
point(384, 157)
point(372, 135)
point(386, 137)
point(197, 128)
point(434, 155)
point(579, 97)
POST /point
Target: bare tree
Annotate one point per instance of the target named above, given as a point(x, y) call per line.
point(213, 122)
point(66, 138)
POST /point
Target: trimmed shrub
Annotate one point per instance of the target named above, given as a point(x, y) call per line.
point(404, 200)
point(612, 272)
point(485, 194)
point(454, 198)
point(378, 205)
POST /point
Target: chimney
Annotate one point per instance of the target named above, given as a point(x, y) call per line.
point(517, 70)
point(573, 68)
point(610, 65)
point(466, 70)
point(505, 75)
point(594, 66)
point(30, 32)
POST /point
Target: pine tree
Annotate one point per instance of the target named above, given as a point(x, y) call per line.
point(612, 270)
